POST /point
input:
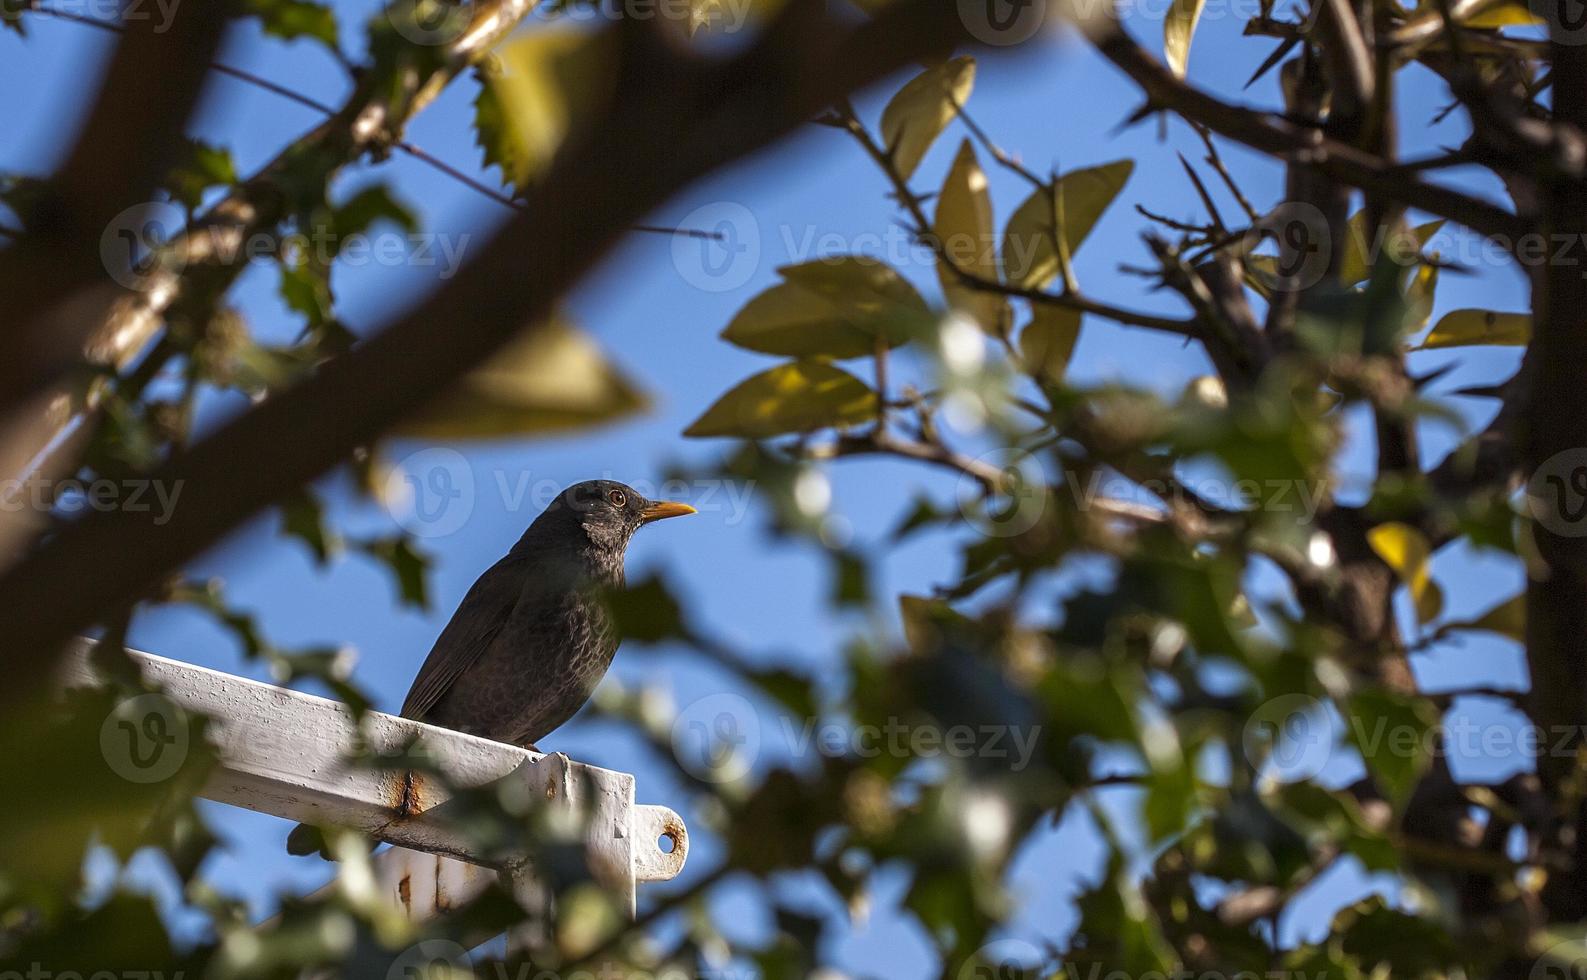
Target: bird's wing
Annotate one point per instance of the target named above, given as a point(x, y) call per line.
point(479, 618)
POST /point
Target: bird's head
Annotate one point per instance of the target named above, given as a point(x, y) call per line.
point(606, 512)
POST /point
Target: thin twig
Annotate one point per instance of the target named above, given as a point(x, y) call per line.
point(413, 150)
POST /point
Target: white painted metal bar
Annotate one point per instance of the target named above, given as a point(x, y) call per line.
point(286, 753)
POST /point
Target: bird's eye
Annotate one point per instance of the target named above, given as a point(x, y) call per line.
point(618, 498)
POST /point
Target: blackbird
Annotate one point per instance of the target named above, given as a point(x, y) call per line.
point(531, 639)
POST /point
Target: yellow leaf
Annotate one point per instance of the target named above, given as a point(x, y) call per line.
point(550, 81)
point(1081, 196)
point(1178, 28)
point(1354, 266)
point(1404, 550)
point(794, 322)
point(923, 108)
point(963, 226)
point(549, 380)
point(1512, 14)
point(1048, 341)
point(800, 396)
point(1464, 328)
point(868, 293)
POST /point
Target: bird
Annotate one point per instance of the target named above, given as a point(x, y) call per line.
point(531, 638)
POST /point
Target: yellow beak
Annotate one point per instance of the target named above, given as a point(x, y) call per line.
point(665, 508)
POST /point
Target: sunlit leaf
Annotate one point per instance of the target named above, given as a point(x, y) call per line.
point(1048, 341)
point(1179, 26)
point(1465, 328)
point(1405, 550)
point(800, 396)
point(794, 322)
point(551, 80)
point(868, 293)
point(1360, 247)
point(1074, 203)
point(963, 226)
point(1509, 14)
point(548, 380)
point(923, 108)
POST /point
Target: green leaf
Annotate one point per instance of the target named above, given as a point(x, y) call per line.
point(963, 226)
point(1507, 618)
point(794, 322)
point(1405, 550)
point(868, 293)
point(370, 205)
point(800, 396)
point(552, 379)
point(1466, 328)
point(551, 81)
point(407, 566)
point(205, 166)
point(1353, 265)
point(923, 108)
point(303, 518)
point(1179, 26)
point(1048, 341)
point(307, 290)
point(1395, 737)
point(1073, 203)
point(646, 612)
point(292, 19)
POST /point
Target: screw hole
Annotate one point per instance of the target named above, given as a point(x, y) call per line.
point(667, 843)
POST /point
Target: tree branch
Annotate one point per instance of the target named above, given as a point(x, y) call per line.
point(674, 119)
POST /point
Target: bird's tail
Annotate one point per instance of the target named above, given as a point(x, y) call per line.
point(306, 839)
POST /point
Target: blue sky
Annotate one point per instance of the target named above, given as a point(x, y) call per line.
point(1056, 105)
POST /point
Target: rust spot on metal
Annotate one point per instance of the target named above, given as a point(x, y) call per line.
point(551, 788)
point(405, 892)
point(405, 793)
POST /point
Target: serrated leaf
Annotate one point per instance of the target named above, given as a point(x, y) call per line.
point(963, 226)
point(868, 293)
point(292, 19)
point(204, 166)
point(1467, 328)
point(550, 81)
point(1074, 203)
point(548, 380)
point(794, 322)
point(1179, 26)
point(800, 396)
point(1048, 341)
point(1405, 550)
point(919, 112)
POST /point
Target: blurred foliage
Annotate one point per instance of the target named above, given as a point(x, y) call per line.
point(1172, 706)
